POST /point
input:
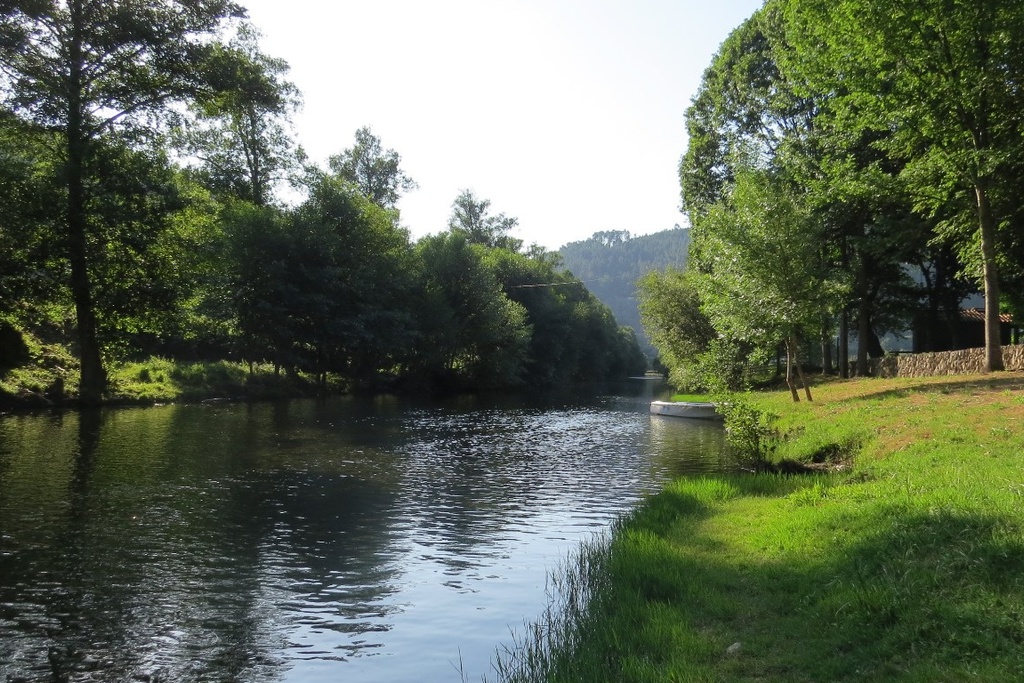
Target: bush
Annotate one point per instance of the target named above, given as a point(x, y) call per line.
point(750, 432)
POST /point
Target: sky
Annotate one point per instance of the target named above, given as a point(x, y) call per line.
point(567, 114)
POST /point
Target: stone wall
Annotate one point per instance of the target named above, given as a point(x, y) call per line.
point(963, 362)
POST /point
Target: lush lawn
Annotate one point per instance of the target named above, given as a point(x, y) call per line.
point(691, 398)
point(906, 564)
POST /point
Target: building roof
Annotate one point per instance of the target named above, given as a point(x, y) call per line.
point(978, 314)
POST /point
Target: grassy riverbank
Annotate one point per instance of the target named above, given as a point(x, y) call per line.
point(49, 377)
point(906, 563)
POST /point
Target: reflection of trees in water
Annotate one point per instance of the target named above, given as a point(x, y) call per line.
point(686, 446)
point(118, 576)
point(224, 542)
point(179, 540)
point(476, 475)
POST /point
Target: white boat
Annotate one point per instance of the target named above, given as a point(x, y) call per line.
point(698, 410)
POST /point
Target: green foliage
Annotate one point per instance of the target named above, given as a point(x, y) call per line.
point(237, 134)
point(153, 230)
point(373, 170)
point(50, 370)
point(32, 270)
point(761, 277)
point(471, 218)
point(100, 75)
point(750, 431)
point(670, 308)
point(472, 333)
point(610, 264)
point(162, 380)
point(938, 82)
point(760, 274)
point(744, 103)
point(325, 287)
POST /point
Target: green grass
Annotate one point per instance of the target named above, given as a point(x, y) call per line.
point(162, 380)
point(49, 366)
point(691, 398)
point(155, 380)
point(905, 564)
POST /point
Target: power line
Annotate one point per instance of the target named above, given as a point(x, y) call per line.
point(548, 284)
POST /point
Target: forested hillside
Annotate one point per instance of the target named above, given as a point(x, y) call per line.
point(610, 262)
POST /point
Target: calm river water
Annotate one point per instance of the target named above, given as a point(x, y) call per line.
point(338, 540)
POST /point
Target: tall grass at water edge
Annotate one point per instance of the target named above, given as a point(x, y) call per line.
point(900, 559)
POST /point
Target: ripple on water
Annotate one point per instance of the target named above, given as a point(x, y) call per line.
point(305, 541)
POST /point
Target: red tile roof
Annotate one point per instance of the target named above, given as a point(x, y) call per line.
point(978, 314)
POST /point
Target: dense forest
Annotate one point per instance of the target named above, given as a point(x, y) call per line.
point(146, 147)
point(610, 262)
point(854, 168)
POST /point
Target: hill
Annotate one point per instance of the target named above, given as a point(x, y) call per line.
point(610, 262)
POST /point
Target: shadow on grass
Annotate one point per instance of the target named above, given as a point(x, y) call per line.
point(887, 593)
point(1003, 382)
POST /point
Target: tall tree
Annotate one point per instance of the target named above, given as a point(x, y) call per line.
point(375, 171)
point(239, 132)
point(942, 79)
point(472, 332)
point(670, 308)
point(471, 217)
point(761, 277)
point(355, 281)
point(85, 69)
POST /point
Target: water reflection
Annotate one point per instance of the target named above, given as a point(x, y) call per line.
point(305, 541)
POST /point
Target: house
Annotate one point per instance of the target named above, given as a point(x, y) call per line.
point(964, 331)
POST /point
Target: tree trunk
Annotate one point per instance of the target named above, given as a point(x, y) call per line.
point(800, 370)
point(843, 352)
point(826, 345)
point(93, 379)
point(789, 372)
point(987, 223)
point(862, 288)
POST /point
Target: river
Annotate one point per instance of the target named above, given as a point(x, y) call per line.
point(339, 540)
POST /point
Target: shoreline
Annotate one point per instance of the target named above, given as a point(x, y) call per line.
point(904, 566)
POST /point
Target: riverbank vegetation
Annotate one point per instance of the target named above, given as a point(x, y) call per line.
point(852, 171)
point(896, 556)
point(148, 155)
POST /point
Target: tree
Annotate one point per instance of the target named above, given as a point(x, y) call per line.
point(472, 333)
point(759, 269)
point(670, 308)
point(239, 130)
point(574, 336)
point(611, 262)
point(31, 272)
point(353, 275)
point(324, 287)
point(154, 225)
point(376, 172)
point(470, 217)
point(85, 69)
point(752, 103)
point(257, 255)
point(745, 106)
point(942, 79)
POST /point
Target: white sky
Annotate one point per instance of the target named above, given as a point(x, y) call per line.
point(567, 114)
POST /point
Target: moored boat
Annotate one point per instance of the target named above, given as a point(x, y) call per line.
point(698, 410)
